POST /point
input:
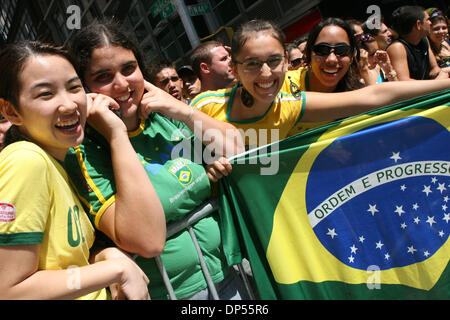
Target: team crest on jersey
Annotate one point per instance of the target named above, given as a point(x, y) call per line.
point(7, 212)
point(182, 172)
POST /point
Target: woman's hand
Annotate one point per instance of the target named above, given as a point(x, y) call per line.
point(134, 282)
point(382, 59)
point(101, 117)
point(218, 169)
point(157, 100)
point(363, 63)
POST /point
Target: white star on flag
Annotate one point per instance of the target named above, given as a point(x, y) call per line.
point(433, 180)
point(395, 156)
point(379, 245)
point(416, 220)
point(351, 259)
point(361, 239)
point(399, 210)
point(441, 187)
point(332, 233)
point(403, 225)
point(446, 199)
point(387, 256)
point(444, 207)
point(415, 206)
point(427, 190)
point(372, 209)
point(446, 217)
point(430, 220)
point(353, 249)
point(426, 253)
point(403, 187)
point(411, 250)
point(441, 233)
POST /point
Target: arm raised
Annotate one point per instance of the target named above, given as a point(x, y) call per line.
point(333, 106)
point(226, 138)
point(136, 220)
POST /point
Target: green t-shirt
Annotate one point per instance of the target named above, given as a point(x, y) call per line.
point(181, 185)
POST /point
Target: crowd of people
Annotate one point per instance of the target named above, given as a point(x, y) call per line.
point(87, 176)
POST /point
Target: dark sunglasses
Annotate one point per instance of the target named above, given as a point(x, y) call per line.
point(296, 62)
point(364, 37)
point(324, 49)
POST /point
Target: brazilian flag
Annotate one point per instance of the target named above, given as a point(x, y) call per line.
point(357, 209)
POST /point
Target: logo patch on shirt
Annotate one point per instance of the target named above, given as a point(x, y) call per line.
point(7, 212)
point(182, 172)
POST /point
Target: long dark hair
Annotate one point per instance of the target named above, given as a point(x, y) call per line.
point(12, 60)
point(351, 79)
point(101, 34)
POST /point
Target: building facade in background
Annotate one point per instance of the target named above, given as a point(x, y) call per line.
point(170, 29)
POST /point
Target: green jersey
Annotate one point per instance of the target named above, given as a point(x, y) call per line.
point(181, 185)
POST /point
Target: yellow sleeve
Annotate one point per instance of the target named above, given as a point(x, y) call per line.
point(24, 197)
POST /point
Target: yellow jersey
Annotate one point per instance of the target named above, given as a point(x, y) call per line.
point(283, 114)
point(300, 79)
point(38, 206)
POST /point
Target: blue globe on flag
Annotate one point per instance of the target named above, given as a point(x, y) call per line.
point(383, 198)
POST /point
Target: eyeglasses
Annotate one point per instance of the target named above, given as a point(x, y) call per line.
point(256, 65)
point(324, 49)
point(296, 62)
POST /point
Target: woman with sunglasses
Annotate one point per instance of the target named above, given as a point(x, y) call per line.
point(256, 102)
point(378, 60)
point(295, 56)
point(331, 56)
point(438, 37)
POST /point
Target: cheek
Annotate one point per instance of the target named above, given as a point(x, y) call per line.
point(105, 89)
point(316, 62)
point(346, 62)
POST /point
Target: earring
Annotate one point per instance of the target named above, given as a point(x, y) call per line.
point(246, 97)
point(295, 89)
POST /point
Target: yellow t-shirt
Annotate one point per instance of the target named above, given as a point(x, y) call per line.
point(297, 77)
point(38, 206)
point(300, 78)
point(284, 113)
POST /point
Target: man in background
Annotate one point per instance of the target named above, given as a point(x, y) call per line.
point(211, 61)
point(192, 85)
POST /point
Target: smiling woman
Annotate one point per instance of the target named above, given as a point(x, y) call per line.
point(155, 124)
point(332, 69)
point(260, 100)
point(43, 231)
